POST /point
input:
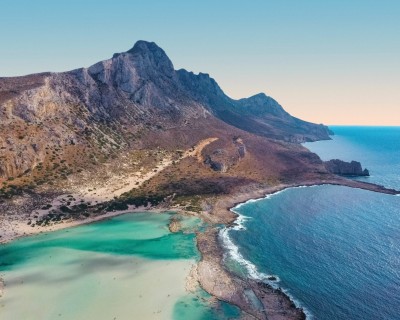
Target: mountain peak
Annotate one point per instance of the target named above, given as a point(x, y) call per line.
point(142, 46)
point(152, 55)
point(260, 95)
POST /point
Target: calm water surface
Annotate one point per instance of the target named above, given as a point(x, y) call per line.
point(336, 250)
point(128, 267)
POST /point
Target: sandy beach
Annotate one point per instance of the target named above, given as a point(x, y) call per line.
point(132, 288)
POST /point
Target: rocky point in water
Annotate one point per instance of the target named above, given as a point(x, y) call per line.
point(344, 168)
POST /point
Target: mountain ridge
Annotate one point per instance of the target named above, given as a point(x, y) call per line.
point(138, 91)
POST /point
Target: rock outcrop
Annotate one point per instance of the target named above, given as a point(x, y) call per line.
point(221, 159)
point(216, 165)
point(344, 168)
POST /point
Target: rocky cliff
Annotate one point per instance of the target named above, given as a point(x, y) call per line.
point(344, 168)
point(134, 100)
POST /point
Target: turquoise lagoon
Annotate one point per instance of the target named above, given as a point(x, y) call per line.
point(127, 267)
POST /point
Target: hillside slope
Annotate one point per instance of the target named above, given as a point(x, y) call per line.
point(135, 100)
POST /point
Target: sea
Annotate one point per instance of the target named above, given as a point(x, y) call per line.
point(334, 250)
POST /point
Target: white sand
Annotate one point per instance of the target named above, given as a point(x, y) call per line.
point(16, 226)
point(82, 285)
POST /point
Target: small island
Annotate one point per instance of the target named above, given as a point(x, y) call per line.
point(344, 168)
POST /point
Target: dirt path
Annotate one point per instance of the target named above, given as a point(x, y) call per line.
point(196, 152)
point(112, 188)
point(120, 184)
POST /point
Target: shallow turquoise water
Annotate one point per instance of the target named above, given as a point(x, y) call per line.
point(127, 267)
point(336, 250)
point(144, 235)
point(197, 307)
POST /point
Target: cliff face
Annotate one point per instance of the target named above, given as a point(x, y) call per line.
point(344, 168)
point(134, 100)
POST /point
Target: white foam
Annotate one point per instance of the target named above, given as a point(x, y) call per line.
point(270, 195)
point(239, 222)
point(232, 250)
point(251, 269)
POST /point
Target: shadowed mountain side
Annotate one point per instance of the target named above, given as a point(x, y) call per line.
point(258, 114)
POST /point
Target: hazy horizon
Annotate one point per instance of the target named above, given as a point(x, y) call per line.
point(333, 62)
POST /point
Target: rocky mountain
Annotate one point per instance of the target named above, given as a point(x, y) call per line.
point(134, 100)
point(132, 132)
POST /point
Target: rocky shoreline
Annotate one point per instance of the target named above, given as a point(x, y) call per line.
point(256, 299)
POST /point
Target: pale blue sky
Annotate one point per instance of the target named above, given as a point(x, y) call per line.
point(333, 61)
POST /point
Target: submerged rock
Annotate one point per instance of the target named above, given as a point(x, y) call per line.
point(174, 225)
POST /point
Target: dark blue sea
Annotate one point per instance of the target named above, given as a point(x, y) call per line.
point(335, 250)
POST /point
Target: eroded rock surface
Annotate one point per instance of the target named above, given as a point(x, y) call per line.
point(344, 168)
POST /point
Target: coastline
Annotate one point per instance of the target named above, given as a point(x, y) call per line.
point(26, 231)
point(255, 298)
point(272, 303)
point(14, 229)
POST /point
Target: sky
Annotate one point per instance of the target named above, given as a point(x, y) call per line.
point(330, 61)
